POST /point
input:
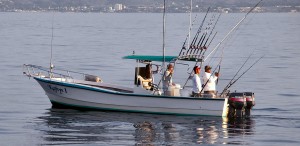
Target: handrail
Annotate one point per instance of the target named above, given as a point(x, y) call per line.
point(32, 67)
point(35, 70)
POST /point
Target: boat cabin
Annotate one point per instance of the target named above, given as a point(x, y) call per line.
point(144, 74)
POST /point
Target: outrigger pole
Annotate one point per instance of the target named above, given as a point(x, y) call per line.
point(233, 29)
point(183, 46)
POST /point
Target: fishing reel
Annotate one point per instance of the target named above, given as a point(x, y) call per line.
point(155, 89)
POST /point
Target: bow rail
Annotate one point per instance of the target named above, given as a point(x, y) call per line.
point(57, 74)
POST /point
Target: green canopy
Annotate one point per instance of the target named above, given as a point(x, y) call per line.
point(150, 58)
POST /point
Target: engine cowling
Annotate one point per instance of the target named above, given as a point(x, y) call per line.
point(250, 99)
point(237, 100)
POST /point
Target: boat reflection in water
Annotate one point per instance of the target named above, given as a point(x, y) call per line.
point(67, 126)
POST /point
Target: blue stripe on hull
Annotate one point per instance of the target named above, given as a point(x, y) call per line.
point(59, 104)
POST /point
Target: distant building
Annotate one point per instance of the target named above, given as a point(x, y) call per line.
point(110, 9)
point(118, 7)
point(293, 11)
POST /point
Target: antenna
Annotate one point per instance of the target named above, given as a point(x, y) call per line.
point(164, 29)
point(51, 65)
point(190, 27)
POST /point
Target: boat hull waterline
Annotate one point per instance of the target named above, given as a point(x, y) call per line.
point(89, 97)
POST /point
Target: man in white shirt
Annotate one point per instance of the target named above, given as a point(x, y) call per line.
point(210, 81)
point(196, 82)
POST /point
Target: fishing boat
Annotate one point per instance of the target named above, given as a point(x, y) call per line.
point(66, 88)
point(90, 92)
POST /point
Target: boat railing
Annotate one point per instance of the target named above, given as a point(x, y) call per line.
point(57, 74)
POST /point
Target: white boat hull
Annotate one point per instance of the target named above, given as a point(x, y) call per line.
point(84, 96)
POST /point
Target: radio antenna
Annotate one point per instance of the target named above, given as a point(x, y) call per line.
point(51, 65)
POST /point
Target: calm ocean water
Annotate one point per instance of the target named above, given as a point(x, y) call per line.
point(95, 43)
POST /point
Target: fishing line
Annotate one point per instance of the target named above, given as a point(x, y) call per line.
point(226, 40)
point(229, 40)
point(232, 38)
point(218, 45)
point(231, 83)
point(240, 68)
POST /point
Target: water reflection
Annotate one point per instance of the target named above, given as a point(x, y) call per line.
point(66, 126)
point(155, 133)
point(239, 126)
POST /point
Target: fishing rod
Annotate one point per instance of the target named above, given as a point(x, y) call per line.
point(204, 47)
point(217, 46)
point(200, 27)
point(236, 26)
point(206, 30)
point(196, 47)
point(212, 73)
point(218, 72)
point(201, 48)
point(218, 66)
point(201, 59)
point(213, 28)
point(227, 36)
point(231, 83)
point(203, 37)
point(241, 66)
point(188, 35)
point(193, 48)
point(238, 72)
point(201, 41)
point(194, 39)
point(197, 33)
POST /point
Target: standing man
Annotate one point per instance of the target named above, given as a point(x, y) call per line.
point(210, 81)
point(167, 78)
point(196, 82)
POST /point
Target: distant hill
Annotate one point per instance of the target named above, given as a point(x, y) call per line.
point(106, 5)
